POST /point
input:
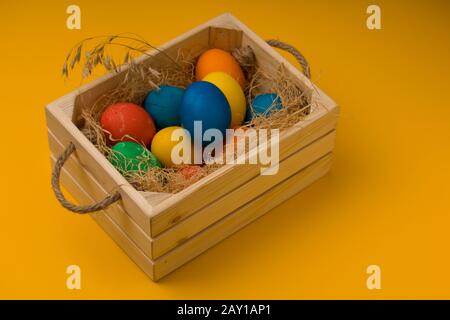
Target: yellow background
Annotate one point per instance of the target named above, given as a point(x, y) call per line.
point(385, 202)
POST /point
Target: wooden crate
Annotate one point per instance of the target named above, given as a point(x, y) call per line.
point(162, 231)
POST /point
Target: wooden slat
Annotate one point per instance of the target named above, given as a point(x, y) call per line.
point(224, 38)
point(213, 234)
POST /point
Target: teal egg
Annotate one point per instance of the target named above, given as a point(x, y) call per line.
point(163, 105)
point(263, 105)
point(129, 156)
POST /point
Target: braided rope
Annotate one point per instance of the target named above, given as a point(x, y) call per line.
point(287, 47)
point(66, 203)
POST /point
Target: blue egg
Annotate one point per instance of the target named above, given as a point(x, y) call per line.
point(163, 105)
point(203, 101)
point(264, 104)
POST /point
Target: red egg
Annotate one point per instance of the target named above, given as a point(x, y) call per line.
point(127, 122)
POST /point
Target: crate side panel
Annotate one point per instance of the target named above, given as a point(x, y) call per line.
point(208, 215)
point(242, 217)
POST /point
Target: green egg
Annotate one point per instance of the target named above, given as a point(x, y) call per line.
point(129, 156)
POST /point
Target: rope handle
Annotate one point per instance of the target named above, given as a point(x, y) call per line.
point(292, 50)
point(56, 174)
point(246, 57)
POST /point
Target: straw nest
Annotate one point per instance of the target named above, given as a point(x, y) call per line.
point(140, 78)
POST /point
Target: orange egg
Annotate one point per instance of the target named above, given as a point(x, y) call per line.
point(219, 60)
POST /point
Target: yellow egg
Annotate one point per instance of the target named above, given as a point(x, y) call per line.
point(166, 140)
point(233, 92)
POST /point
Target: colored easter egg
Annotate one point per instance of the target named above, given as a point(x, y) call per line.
point(163, 105)
point(165, 140)
point(129, 156)
point(233, 92)
point(204, 102)
point(219, 60)
point(127, 122)
point(188, 171)
point(264, 104)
